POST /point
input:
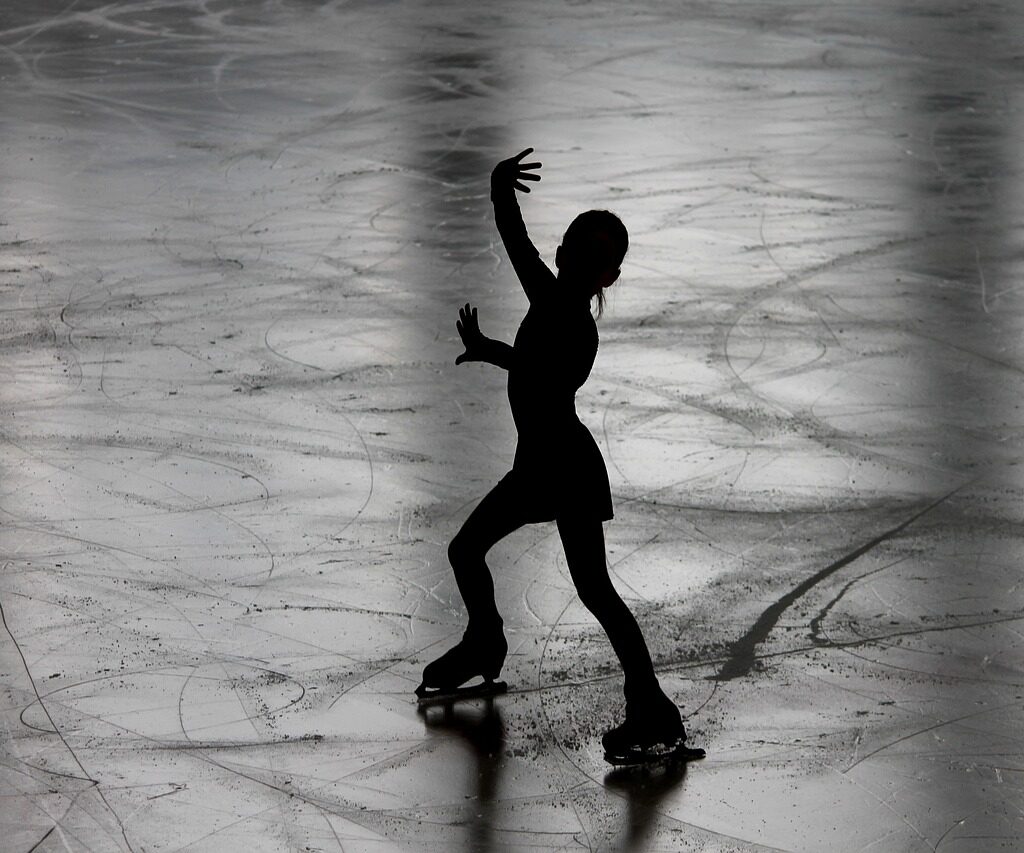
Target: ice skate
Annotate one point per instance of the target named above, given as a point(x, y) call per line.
point(444, 680)
point(649, 735)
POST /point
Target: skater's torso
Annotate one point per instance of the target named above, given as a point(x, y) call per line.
point(553, 354)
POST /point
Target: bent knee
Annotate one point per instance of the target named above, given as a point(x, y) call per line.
point(462, 549)
point(599, 597)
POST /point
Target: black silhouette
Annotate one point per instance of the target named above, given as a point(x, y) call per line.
point(558, 473)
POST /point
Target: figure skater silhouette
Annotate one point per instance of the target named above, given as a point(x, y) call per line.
point(558, 473)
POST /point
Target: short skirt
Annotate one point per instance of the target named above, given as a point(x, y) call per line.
point(564, 478)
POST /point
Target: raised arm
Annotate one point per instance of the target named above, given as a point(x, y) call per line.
point(507, 177)
point(479, 347)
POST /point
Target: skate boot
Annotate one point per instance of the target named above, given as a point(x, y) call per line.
point(653, 731)
point(475, 655)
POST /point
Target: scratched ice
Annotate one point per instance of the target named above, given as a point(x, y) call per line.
point(233, 241)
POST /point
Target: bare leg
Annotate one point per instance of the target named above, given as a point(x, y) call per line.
point(583, 541)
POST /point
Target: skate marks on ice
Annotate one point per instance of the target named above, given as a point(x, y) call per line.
point(91, 786)
point(235, 458)
point(743, 652)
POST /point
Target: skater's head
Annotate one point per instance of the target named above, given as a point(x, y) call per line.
point(592, 251)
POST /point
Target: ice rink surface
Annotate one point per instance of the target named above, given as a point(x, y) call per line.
point(234, 237)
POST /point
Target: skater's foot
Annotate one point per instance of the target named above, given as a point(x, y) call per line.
point(427, 697)
point(478, 654)
point(659, 753)
point(652, 729)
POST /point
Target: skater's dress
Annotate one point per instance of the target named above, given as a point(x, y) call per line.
point(558, 471)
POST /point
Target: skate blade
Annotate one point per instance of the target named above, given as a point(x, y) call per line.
point(446, 696)
point(677, 753)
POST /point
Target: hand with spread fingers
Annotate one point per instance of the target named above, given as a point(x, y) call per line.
point(473, 339)
point(512, 172)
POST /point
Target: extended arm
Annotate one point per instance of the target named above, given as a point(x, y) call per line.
point(507, 177)
point(478, 346)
